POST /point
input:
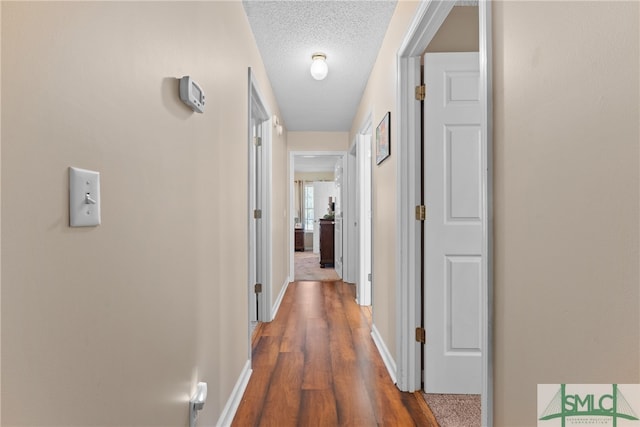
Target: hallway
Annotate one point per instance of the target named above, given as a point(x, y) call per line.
point(307, 267)
point(316, 365)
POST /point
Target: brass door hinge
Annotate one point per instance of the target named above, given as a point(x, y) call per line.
point(258, 288)
point(421, 212)
point(421, 335)
point(421, 92)
point(257, 213)
point(257, 141)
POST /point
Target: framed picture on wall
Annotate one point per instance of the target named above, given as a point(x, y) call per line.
point(383, 139)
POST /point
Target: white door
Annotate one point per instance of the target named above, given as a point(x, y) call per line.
point(454, 225)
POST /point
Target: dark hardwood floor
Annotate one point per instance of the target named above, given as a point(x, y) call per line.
point(316, 365)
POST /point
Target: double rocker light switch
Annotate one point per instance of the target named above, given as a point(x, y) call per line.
point(84, 197)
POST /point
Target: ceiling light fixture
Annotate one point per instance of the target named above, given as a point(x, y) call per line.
point(319, 68)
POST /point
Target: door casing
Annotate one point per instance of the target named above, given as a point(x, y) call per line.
point(259, 182)
point(360, 186)
point(427, 20)
point(340, 180)
point(292, 210)
point(351, 255)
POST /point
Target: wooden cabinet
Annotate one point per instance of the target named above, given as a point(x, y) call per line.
point(326, 242)
point(299, 239)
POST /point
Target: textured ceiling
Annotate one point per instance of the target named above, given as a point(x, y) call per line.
point(289, 32)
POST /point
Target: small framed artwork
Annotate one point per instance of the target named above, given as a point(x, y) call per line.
point(383, 139)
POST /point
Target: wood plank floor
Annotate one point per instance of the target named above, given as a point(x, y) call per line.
point(316, 365)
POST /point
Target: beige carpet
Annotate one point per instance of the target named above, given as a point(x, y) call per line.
point(307, 267)
point(455, 410)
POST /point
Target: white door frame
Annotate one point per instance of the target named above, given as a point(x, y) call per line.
point(292, 163)
point(339, 218)
point(427, 20)
point(364, 141)
point(258, 112)
point(352, 255)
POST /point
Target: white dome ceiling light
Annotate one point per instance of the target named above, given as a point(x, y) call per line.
point(319, 67)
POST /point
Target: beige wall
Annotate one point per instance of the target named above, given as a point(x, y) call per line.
point(566, 199)
point(318, 141)
point(566, 196)
point(458, 33)
point(378, 98)
point(0, 215)
point(314, 176)
point(114, 325)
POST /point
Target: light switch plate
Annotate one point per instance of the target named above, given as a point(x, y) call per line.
point(84, 197)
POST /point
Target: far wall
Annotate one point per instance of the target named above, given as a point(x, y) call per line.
point(458, 33)
point(318, 141)
point(314, 176)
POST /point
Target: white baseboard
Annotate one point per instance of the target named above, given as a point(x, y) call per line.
point(229, 411)
point(276, 305)
point(384, 353)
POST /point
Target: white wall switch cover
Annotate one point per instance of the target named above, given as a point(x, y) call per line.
point(84, 197)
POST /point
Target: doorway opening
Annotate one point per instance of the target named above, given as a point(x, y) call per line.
point(462, 278)
point(342, 198)
point(358, 214)
point(259, 143)
point(316, 210)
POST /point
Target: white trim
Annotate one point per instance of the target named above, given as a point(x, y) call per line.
point(486, 97)
point(364, 159)
point(426, 23)
point(276, 305)
point(427, 20)
point(407, 245)
point(349, 209)
point(267, 229)
point(229, 411)
point(291, 227)
point(384, 353)
point(255, 99)
point(251, 267)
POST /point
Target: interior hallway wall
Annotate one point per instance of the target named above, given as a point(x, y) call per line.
point(318, 141)
point(458, 33)
point(0, 214)
point(314, 176)
point(378, 98)
point(567, 302)
point(114, 325)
